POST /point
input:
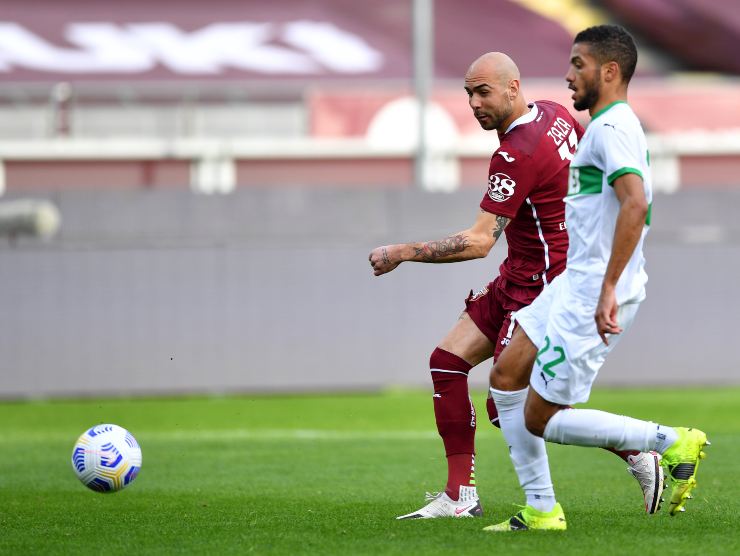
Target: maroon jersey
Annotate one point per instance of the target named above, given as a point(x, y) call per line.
point(527, 181)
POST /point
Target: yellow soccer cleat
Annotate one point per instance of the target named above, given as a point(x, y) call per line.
point(529, 519)
point(682, 462)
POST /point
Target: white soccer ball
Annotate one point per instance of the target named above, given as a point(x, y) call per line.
point(106, 458)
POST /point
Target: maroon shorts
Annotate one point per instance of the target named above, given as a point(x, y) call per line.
point(491, 309)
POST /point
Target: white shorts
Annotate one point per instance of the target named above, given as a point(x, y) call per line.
point(570, 351)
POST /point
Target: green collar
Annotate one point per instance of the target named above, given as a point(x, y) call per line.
point(607, 107)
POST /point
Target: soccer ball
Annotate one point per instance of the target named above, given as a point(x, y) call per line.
point(106, 458)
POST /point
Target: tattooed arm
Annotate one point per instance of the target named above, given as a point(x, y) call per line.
point(473, 243)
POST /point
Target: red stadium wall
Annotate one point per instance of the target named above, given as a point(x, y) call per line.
point(388, 173)
point(100, 174)
point(377, 172)
point(717, 170)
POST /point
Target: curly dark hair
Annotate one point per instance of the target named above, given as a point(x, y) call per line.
point(611, 43)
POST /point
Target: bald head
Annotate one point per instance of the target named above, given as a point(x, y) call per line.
point(494, 66)
point(492, 84)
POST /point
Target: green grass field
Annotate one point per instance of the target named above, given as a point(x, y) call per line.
point(328, 474)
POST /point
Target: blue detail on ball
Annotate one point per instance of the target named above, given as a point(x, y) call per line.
point(98, 429)
point(131, 475)
point(131, 441)
point(99, 485)
point(110, 456)
point(78, 459)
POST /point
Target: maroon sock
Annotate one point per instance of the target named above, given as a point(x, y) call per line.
point(460, 472)
point(623, 453)
point(492, 411)
point(455, 416)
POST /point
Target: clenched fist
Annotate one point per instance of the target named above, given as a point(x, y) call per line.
point(382, 261)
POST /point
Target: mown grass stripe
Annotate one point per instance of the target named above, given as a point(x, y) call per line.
point(240, 434)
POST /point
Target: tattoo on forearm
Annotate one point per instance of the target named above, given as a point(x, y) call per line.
point(386, 260)
point(498, 228)
point(433, 250)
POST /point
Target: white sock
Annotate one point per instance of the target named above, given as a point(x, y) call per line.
point(665, 437)
point(591, 427)
point(541, 502)
point(526, 450)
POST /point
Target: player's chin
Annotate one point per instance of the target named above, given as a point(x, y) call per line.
point(580, 103)
point(486, 123)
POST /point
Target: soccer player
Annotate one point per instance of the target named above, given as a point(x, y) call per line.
point(564, 336)
point(526, 185)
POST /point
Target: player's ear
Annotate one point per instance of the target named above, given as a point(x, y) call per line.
point(513, 89)
point(610, 72)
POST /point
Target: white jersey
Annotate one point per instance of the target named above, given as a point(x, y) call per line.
point(614, 144)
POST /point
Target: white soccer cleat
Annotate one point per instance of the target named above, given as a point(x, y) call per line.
point(441, 505)
point(646, 468)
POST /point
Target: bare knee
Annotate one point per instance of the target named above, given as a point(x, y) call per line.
point(467, 342)
point(512, 368)
point(534, 421)
point(508, 377)
point(538, 412)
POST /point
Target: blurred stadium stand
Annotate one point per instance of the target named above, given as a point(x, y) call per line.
point(299, 116)
point(680, 26)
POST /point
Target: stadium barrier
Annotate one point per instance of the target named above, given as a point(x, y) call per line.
point(689, 159)
point(270, 289)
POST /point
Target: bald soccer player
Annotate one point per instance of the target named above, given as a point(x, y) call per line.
point(527, 181)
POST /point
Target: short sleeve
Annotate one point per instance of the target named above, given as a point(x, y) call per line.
point(621, 154)
point(511, 178)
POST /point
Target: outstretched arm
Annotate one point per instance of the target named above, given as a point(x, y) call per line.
point(473, 243)
point(630, 221)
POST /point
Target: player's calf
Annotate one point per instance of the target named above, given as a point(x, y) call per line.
point(456, 419)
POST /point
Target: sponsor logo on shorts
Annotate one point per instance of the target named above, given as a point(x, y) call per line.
point(545, 379)
point(500, 187)
point(506, 156)
point(512, 323)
